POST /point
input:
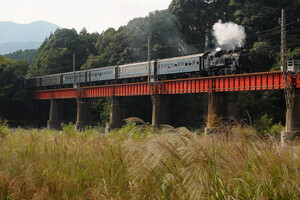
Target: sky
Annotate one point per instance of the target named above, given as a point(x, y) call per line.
point(94, 15)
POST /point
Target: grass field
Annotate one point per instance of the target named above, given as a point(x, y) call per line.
point(138, 162)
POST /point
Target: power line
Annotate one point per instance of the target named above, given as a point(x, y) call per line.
point(272, 29)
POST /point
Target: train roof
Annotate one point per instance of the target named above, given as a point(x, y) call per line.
point(184, 57)
point(108, 67)
point(44, 75)
point(137, 63)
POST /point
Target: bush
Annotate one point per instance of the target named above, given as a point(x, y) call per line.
point(265, 126)
point(69, 129)
point(4, 130)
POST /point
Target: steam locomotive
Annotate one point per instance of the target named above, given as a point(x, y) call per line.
point(223, 62)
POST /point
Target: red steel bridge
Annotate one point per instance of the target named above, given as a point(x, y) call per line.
point(229, 83)
point(216, 86)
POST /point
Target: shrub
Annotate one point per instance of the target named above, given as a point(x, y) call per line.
point(69, 129)
point(265, 126)
point(4, 130)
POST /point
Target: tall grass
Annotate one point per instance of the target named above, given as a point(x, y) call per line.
point(139, 162)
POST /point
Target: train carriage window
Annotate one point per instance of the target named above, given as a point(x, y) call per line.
point(175, 65)
point(186, 64)
point(190, 63)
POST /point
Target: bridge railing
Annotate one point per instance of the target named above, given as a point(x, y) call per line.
point(229, 83)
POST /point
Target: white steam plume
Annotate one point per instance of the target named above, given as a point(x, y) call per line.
point(229, 35)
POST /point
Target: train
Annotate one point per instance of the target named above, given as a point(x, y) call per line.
point(222, 62)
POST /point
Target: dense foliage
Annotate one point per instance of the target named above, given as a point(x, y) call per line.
point(55, 55)
point(12, 96)
point(184, 28)
point(26, 55)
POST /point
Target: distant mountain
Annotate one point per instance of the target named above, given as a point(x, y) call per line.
point(15, 46)
point(15, 36)
point(27, 55)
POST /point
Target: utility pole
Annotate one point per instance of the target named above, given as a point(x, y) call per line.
point(290, 94)
point(151, 79)
point(149, 61)
point(283, 43)
point(74, 72)
point(288, 90)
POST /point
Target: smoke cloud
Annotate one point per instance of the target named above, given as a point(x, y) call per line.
point(229, 35)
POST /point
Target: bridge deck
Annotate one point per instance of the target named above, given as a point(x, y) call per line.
point(229, 83)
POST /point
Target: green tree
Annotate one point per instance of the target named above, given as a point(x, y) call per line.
point(192, 16)
point(56, 53)
point(26, 55)
point(260, 19)
point(130, 43)
point(12, 96)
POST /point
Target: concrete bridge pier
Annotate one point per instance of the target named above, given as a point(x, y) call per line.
point(117, 113)
point(292, 124)
point(217, 107)
point(232, 105)
point(160, 110)
point(83, 113)
point(55, 115)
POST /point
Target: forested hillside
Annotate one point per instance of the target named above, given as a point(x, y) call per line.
point(26, 55)
point(12, 96)
point(186, 27)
